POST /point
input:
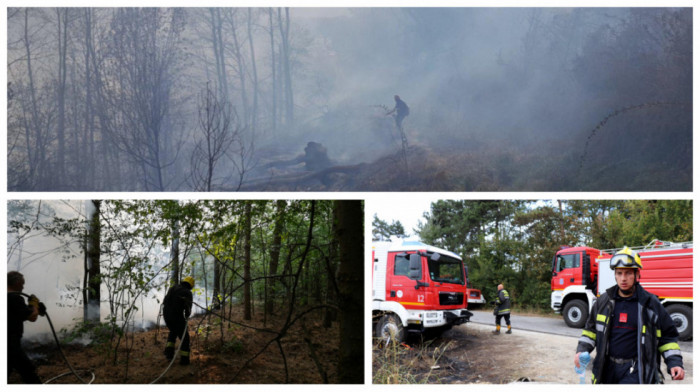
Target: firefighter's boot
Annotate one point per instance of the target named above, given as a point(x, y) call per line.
point(498, 330)
point(509, 331)
point(184, 358)
point(169, 351)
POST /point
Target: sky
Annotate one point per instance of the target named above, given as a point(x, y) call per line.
point(405, 208)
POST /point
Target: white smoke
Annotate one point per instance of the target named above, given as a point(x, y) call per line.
point(54, 273)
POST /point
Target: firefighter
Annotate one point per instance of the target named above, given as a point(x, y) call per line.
point(177, 307)
point(400, 112)
point(502, 309)
point(315, 157)
point(17, 313)
point(630, 330)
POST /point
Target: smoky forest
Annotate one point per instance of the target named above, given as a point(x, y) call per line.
point(277, 289)
point(359, 99)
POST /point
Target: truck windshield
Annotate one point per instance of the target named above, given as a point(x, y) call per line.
point(447, 270)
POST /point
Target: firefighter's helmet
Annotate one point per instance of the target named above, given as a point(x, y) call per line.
point(190, 281)
point(626, 258)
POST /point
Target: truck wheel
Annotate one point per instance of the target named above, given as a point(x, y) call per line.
point(575, 313)
point(389, 328)
point(683, 318)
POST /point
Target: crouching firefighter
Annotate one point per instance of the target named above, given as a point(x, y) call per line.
point(177, 307)
point(630, 331)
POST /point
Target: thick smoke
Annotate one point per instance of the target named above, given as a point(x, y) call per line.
point(53, 269)
point(515, 90)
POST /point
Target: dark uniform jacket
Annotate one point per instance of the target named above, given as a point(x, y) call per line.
point(17, 313)
point(503, 302)
point(177, 305)
point(656, 336)
point(401, 108)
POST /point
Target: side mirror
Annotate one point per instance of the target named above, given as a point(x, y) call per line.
point(414, 267)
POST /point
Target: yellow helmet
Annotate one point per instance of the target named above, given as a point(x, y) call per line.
point(189, 280)
point(626, 258)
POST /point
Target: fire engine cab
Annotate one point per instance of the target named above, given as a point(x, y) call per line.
point(581, 274)
point(416, 288)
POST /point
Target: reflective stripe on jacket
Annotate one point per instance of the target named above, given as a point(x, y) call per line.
point(656, 336)
point(503, 302)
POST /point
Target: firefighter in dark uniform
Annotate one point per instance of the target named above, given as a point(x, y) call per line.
point(502, 310)
point(400, 112)
point(17, 313)
point(177, 307)
point(630, 331)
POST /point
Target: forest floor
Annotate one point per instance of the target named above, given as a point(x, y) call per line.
point(473, 354)
point(465, 168)
point(213, 359)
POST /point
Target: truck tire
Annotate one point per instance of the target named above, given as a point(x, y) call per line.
point(682, 316)
point(389, 328)
point(575, 313)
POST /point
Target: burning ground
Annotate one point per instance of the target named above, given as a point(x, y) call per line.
point(310, 351)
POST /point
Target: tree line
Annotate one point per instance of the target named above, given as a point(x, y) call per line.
point(282, 260)
point(514, 241)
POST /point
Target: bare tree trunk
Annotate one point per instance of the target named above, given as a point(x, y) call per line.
point(275, 254)
point(286, 65)
point(254, 113)
point(241, 71)
point(175, 252)
point(89, 130)
point(273, 67)
point(246, 267)
point(350, 233)
point(331, 294)
point(218, 42)
point(217, 282)
point(35, 155)
point(94, 282)
point(62, 17)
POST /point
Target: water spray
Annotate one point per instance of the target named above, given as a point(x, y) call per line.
point(617, 112)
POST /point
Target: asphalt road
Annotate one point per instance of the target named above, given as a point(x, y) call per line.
point(549, 325)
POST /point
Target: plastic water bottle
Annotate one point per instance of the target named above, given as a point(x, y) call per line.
point(583, 360)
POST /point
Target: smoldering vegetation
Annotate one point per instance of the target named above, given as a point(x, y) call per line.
point(260, 99)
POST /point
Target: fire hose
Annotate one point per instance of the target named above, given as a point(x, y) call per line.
point(179, 346)
point(58, 344)
point(44, 313)
point(72, 370)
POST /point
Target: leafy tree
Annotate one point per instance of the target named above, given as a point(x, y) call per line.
point(383, 231)
point(513, 242)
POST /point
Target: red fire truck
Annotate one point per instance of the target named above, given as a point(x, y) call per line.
point(416, 288)
point(474, 296)
point(581, 274)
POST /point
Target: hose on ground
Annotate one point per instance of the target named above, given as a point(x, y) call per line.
point(60, 350)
